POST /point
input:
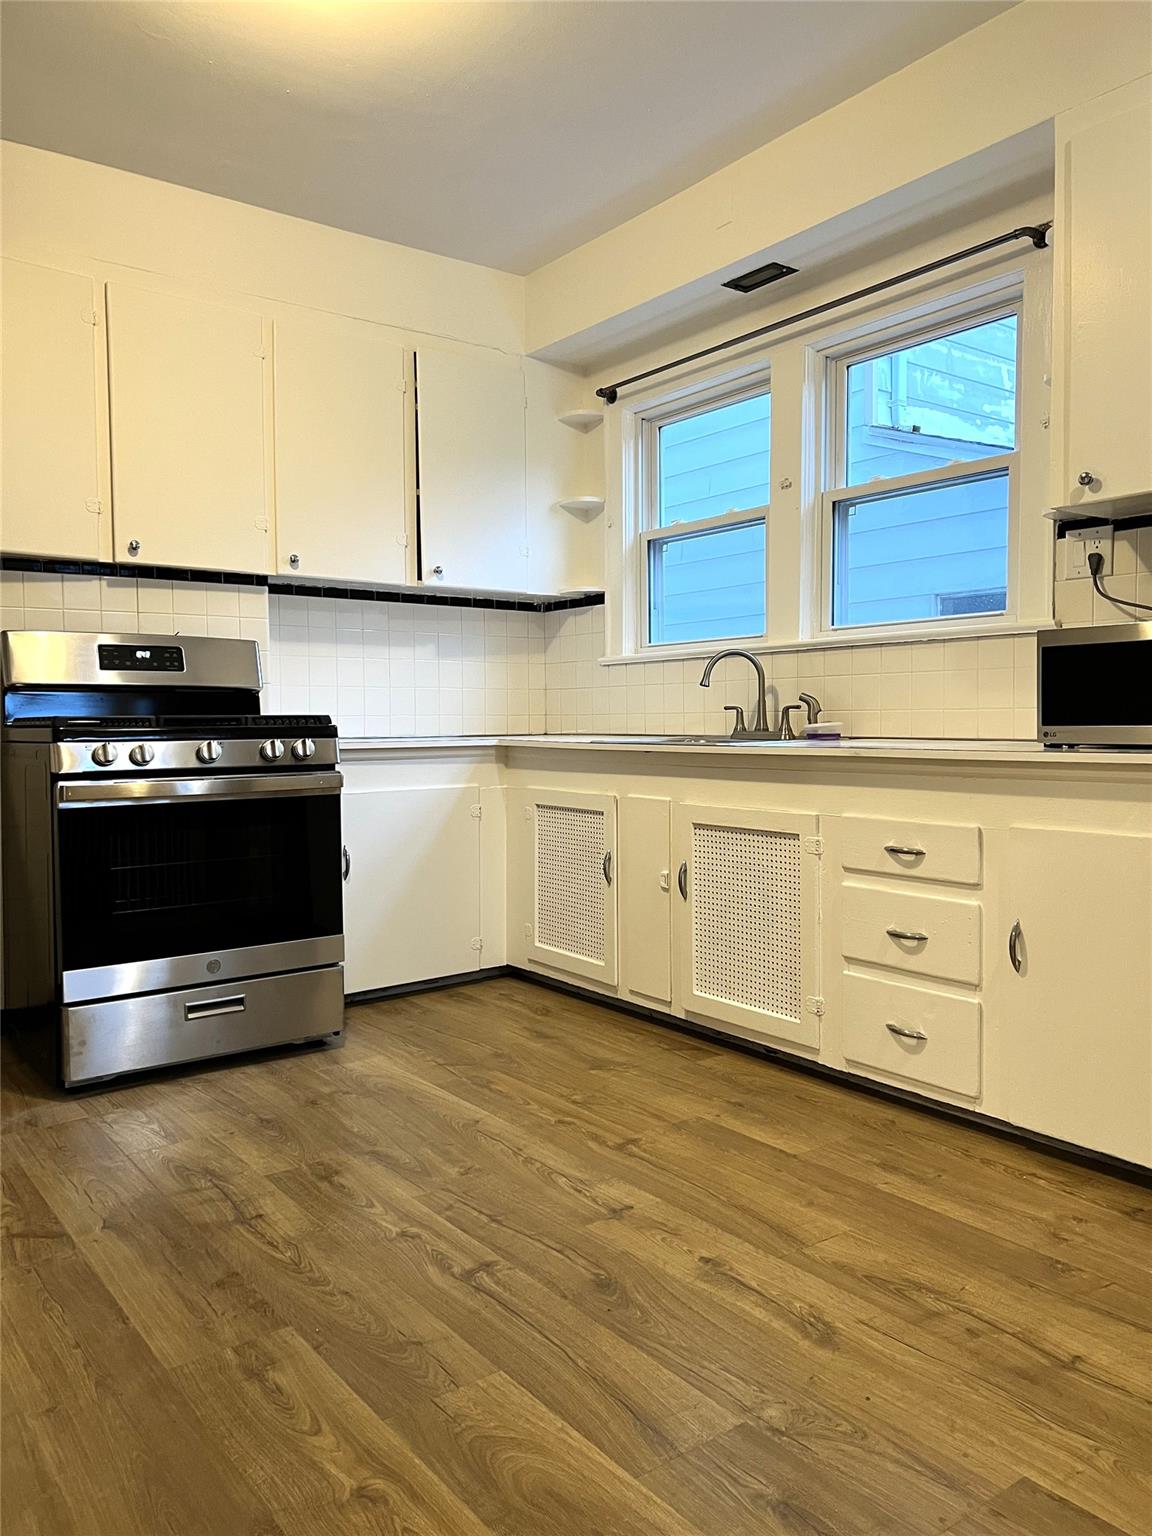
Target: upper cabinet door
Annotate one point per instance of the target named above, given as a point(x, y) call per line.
point(473, 530)
point(54, 422)
point(1102, 363)
point(189, 445)
point(341, 436)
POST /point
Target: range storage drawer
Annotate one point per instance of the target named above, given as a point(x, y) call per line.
point(925, 935)
point(130, 1034)
point(916, 1033)
point(913, 850)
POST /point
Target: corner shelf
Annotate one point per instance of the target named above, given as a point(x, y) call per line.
point(582, 506)
point(581, 421)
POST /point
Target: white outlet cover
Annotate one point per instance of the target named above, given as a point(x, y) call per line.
point(1082, 542)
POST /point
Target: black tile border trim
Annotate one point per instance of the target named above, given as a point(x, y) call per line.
point(277, 587)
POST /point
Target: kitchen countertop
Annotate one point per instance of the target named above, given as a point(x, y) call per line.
point(1027, 753)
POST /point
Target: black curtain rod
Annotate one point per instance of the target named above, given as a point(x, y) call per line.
point(1037, 233)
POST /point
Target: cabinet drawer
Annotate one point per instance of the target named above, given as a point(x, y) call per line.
point(911, 1032)
point(915, 850)
point(925, 935)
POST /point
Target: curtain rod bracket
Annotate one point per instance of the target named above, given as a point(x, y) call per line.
point(1036, 233)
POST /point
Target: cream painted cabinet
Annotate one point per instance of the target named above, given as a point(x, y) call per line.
point(412, 888)
point(342, 431)
point(473, 526)
point(1072, 1009)
point(1102, 360)
point(54, 415)
point(746, 921)
point(562, 868)
point(645, 884)
point(191, 450)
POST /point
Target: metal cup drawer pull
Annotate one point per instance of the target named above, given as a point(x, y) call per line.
point(908, 934)
point(904, 851)
point(905, 1034)
point(209, 1007)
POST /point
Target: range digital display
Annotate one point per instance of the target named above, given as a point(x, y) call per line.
point(141, 658)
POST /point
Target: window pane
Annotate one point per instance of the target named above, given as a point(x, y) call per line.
point(939, 402)
point(715, 462)
point(707, 586)
point(923, 553)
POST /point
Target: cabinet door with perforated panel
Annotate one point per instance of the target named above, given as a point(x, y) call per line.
point(746, 907)
point(562, 881)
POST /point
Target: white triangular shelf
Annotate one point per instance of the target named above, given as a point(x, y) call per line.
point(582, 505)
point(582, 421)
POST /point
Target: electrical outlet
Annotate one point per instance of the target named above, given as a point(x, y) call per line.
point(1082, 542)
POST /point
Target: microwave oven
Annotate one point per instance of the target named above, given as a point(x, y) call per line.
point(1094, 686)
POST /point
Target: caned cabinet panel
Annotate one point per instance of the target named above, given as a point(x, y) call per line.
point(341, 438)
point(745, 924)
point(562, 880)
point(189, 441)
point(54, 487)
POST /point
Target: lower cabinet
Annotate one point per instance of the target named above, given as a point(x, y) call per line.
point(561, 881)
point(1073, 1008)
point(745, 924)
point(412, 888)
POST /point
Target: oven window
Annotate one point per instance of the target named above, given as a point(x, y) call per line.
point(143, 882)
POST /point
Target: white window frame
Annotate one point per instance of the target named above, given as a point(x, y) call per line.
point(833, 359)
point(652, 532)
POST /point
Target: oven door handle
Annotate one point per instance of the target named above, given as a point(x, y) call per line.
point(75, 794)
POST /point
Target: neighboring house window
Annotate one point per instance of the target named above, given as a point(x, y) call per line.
point(703, 545)
point(919, 520)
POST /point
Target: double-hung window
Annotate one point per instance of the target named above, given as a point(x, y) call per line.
point(706, 501)
point(923, 436)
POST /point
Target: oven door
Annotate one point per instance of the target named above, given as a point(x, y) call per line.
point(176, 882)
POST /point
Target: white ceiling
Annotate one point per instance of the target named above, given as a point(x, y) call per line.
point(501, 133)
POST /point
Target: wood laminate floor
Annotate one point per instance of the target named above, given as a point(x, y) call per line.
point(512, 1264)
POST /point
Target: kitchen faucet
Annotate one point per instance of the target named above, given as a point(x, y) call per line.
point(759, 728)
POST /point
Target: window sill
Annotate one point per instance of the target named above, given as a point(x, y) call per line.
point(893, 635)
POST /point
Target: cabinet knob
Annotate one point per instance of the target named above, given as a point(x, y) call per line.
point(133, 546)
point(294, 562)
point(437, 570)
point(1086, 479)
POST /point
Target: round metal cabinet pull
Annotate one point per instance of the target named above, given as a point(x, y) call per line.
point(133, 546)
point(294, 562)
point(1086, 479)
point(437, 570)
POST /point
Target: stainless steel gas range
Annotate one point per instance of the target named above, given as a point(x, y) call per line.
point(172, 857)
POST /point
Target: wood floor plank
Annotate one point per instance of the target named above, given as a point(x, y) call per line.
point(511, 1264)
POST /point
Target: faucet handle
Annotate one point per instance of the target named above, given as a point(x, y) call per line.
point(739, 725)
point(786, 731)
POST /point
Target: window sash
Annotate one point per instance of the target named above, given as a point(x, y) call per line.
point(949, 474)
point(677, 533)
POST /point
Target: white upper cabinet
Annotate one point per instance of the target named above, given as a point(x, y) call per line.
point(1102, 357)
point(341, 444)
point(55, 436)
point(190, 446)
point(473, 529)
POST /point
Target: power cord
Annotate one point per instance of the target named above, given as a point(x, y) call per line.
point(1096, 565)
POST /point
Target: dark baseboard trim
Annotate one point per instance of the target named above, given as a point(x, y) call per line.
point(433, 984)
point(1066, 1151)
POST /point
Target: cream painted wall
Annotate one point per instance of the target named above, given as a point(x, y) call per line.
point(1001, 79)
point(60, 211)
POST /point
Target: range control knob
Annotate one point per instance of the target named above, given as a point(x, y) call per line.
point(272, 750)
point(303, 749)
point(209, 751)
point(105, 754)
point(142, 755)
